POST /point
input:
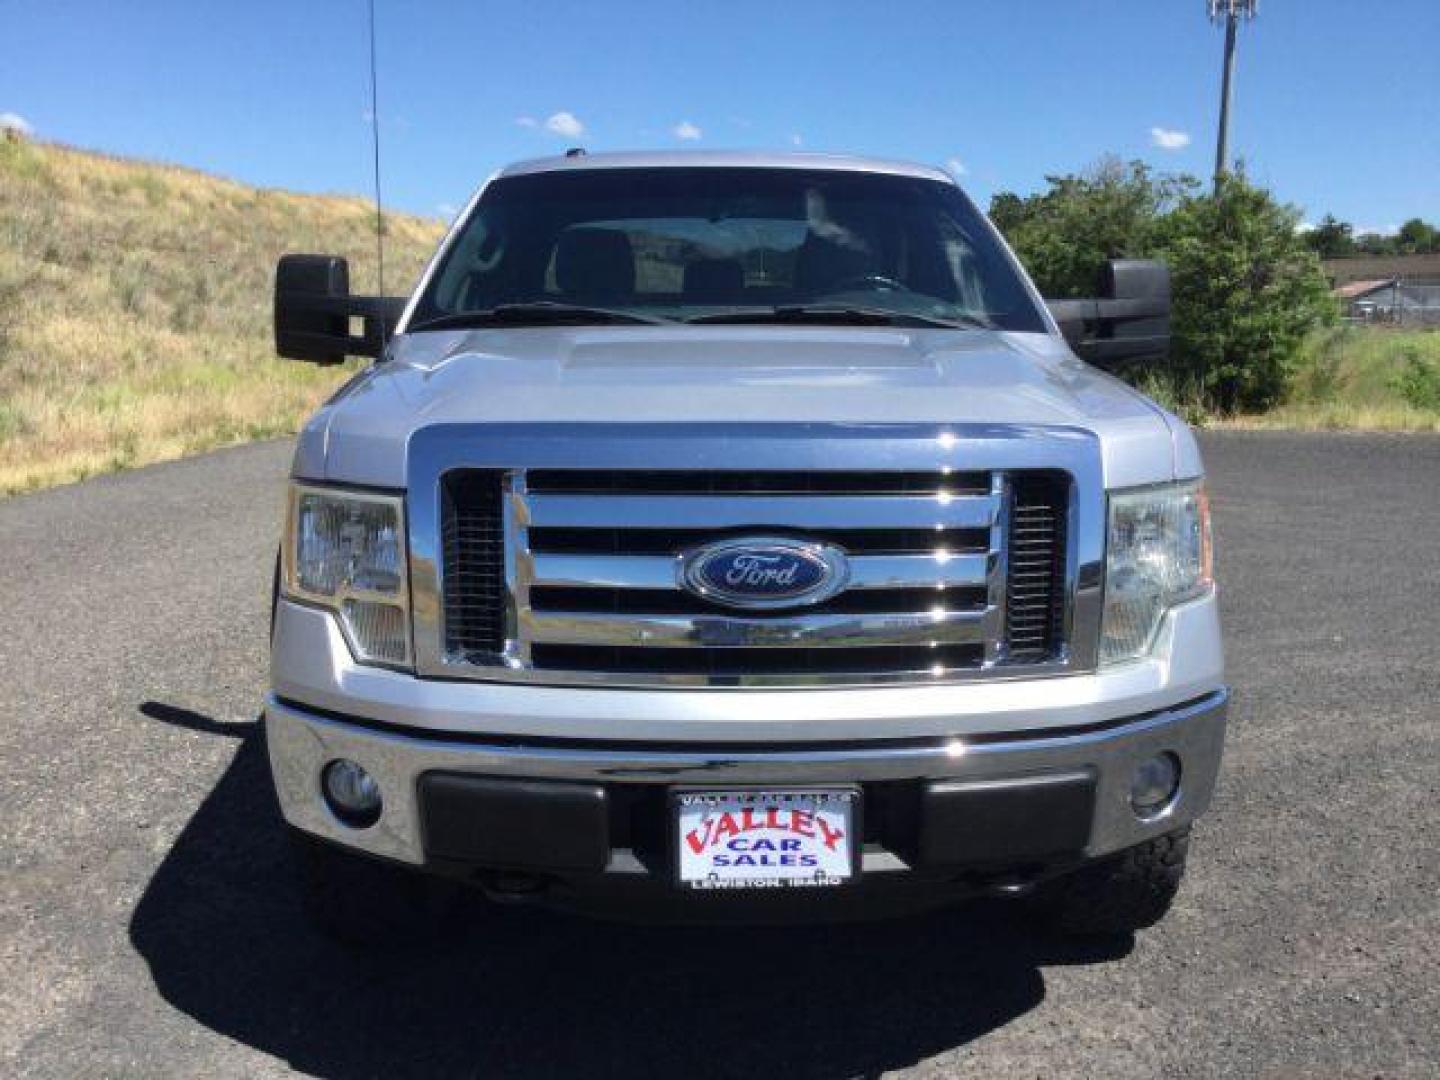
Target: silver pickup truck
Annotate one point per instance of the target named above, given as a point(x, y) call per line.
point(723, 531)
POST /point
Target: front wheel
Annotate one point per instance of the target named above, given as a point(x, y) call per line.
point(1119, 895)
point(362, 901)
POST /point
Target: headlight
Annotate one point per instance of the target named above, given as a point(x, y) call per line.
point(1158, 556)
point(345, 550)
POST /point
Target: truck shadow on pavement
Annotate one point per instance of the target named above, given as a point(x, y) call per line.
point(527, 992)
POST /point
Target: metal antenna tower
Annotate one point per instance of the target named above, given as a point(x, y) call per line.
point(375, 141)
point(1230, 12)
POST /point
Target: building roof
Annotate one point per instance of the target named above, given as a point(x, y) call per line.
point(650, 159)
point(1355, 289)
point(1416, 268)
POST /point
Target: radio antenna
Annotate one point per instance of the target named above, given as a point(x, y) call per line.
point(375, 143)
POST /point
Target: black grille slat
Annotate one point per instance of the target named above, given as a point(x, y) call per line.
point(739, 664)
point(607, 541)
point(472, 531)
point(1035, 588)
point(550, 598)
point(682, 482)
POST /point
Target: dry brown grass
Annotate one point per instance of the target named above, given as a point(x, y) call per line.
point(135, 308)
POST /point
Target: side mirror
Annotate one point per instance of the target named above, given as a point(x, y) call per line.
point(314, 308)
point(1128, 323)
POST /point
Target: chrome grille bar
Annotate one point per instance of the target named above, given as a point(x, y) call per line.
point(938, 627)
point(996, 648)
point(519, 570)
point(938, 571)
point(760, 511)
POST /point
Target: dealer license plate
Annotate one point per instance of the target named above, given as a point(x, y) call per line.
point(766, 839)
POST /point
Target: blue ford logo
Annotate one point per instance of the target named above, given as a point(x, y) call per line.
point(764, 572)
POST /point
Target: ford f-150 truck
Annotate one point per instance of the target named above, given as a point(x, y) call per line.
point(738, 530)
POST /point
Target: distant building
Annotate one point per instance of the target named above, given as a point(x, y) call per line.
point(1399, 289)
point(1390, 300)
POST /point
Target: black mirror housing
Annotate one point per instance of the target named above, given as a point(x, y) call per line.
point(314, 306)
point(1128, 323)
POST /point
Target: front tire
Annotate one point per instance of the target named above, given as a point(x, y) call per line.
point(1119, 895)
point(361, 901)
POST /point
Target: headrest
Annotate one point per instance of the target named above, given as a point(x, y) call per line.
point(714, 280)
point(822, 263)
point(595, 264)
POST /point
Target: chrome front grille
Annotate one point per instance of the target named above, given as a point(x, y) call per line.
point(572, 575)
point(546, 553)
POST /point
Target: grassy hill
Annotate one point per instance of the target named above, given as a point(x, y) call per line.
point(135, 308)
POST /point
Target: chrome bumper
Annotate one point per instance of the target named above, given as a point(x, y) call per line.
point(301, 742)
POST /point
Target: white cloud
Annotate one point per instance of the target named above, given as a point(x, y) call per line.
point(685, 131)
point(447, 210)
point(1375, 230)
point(10, 121)
point(797, 139)
point(527, 121)
point(956, 167)
point(1169, 138)
point(566, 124)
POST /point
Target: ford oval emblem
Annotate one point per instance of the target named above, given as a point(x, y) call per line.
point(764, 572)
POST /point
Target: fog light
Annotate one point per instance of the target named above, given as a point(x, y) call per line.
point(351, 793)
point(1153, 784)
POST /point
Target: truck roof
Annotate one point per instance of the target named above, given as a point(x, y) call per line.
point(763, 159)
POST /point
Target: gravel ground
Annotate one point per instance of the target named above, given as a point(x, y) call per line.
point(149, 926)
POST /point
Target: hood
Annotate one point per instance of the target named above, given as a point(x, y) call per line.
point(717, 374)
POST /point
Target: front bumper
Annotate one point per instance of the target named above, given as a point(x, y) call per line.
point(976, 767)
point(311, 663)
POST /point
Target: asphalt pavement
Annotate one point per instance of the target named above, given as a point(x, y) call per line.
point(148, 925)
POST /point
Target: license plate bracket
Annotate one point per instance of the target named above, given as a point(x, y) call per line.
point(765, 838)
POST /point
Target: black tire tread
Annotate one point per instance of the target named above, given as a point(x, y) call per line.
point(1129, 892)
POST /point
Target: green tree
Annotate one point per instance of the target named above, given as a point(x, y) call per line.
point(1417, 237)
point(1246, 289)
point(1373, 243)
point(1332, 238)
point(1065, 235)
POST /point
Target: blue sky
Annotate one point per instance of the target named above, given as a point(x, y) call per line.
point(1338, 104)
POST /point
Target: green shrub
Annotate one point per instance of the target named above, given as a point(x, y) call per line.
point(1247, 293)
point(152, 188)
point(1318, 377)
point(12, 422)
point(1418, 382)
point(19, 158)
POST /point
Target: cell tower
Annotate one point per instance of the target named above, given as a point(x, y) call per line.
point(1230, 12)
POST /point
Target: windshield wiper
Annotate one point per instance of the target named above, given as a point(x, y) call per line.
point(841, 315)
point(536, 313)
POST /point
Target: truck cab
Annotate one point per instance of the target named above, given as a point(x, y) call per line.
point(725, 531)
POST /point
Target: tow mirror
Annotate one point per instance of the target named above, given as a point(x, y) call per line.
point(1128, 323)
point(314, 309)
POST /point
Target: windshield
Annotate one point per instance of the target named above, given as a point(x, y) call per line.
point(726, 244)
